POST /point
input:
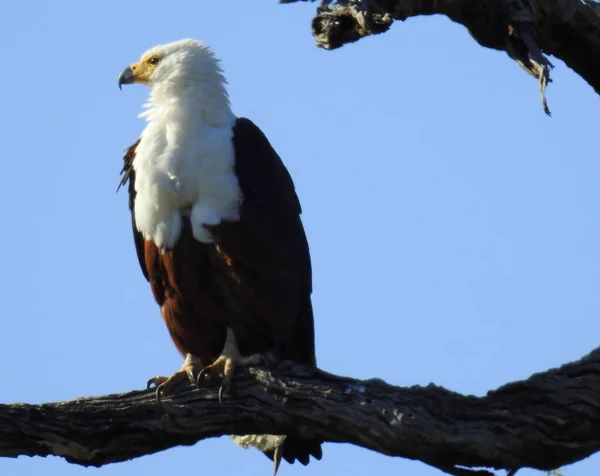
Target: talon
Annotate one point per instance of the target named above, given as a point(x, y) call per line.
point(159, 386)
point(224, 366)
point(201, 374)
point(221, 388)
point(164, 385)
point(158, 394)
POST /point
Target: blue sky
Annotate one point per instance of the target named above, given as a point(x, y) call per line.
point(453, 226)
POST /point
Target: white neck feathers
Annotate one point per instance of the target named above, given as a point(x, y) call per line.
point(184, 163)
point(206, 100)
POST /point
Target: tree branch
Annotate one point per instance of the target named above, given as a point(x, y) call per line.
point(544, 422)
point(524, 29)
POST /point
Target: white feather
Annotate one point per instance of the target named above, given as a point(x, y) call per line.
point(261, 442)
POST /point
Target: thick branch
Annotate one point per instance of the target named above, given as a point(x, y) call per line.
point(567, 29)
point(546, 421)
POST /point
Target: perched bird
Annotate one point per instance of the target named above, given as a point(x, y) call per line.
point(217, 229)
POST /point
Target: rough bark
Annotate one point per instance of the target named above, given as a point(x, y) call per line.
point(544, 422)
point(524, 29)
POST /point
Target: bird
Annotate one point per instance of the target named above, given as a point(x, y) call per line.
point(218, 232)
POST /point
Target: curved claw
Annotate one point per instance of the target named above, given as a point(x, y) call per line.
point(158, 394)
point(201, 374)
point(223, 390)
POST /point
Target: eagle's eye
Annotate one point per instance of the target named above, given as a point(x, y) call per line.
point(153, 61)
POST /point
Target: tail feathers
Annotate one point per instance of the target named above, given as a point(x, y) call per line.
point(294, 449)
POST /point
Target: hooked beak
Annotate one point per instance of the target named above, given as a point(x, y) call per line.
point(126, 77)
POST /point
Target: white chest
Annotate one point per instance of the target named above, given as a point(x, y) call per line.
point(184, 167)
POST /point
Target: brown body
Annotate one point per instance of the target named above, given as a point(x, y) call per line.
point(255, 278)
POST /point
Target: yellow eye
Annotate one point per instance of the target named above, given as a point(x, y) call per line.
point(153, 61)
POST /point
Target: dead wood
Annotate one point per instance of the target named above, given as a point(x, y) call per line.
point(544, 422)
point(527, 30)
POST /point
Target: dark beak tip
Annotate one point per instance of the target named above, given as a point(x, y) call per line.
point(126, 77)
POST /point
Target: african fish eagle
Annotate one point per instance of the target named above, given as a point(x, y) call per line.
point(217, 230)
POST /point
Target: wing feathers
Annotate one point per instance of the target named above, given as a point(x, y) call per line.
point(268, 246)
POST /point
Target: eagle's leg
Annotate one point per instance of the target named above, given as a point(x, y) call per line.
point(226, 363)
point(190, 368)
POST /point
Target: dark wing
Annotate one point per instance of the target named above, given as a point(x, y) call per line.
point(269, 252)
point(268, 248)
point(128, 175)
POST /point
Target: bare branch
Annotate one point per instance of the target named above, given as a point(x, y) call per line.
point(546, 421)
point(525, 29)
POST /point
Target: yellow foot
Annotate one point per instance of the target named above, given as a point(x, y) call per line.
point(224, 367)
point(190, 368)
point(226, 364)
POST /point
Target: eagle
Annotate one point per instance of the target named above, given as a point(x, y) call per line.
point(217, 231)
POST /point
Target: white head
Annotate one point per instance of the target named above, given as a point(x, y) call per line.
point(185, 69)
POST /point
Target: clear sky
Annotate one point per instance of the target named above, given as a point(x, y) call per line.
point(454, 228)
